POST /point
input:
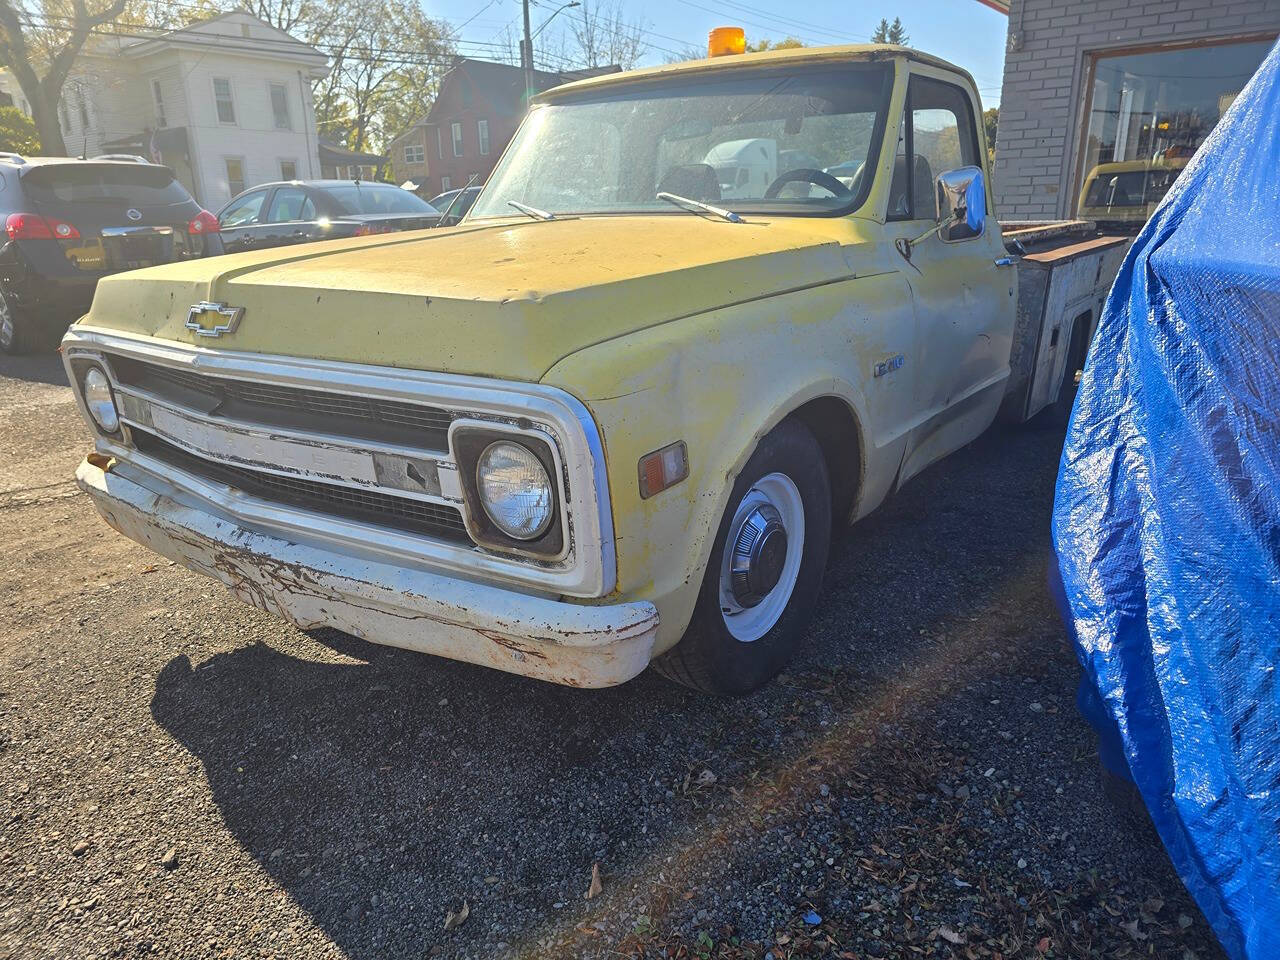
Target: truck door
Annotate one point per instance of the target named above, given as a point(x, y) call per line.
point(964, 302)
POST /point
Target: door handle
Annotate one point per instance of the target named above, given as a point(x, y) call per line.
point(1006, 261)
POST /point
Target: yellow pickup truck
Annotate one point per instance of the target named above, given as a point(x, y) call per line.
point(613, 417)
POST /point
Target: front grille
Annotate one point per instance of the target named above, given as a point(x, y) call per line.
point(359, 418)
point(397, 513)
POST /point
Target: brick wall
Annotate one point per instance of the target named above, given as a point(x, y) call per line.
point(1042, 101)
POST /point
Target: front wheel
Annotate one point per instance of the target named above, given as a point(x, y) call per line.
point(765, 571)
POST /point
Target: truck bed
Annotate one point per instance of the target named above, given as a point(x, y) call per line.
point(1065, 270)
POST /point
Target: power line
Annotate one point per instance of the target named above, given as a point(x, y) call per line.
point(753, 23)
point(795, 24)
point(354, 51)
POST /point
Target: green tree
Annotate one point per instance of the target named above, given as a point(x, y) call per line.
point(17, 132)
point(888, 32)
point(786, 43)
point(989, 120)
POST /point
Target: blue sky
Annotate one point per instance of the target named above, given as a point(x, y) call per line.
point(962, 31)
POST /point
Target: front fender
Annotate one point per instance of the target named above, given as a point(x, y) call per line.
point(720, 381)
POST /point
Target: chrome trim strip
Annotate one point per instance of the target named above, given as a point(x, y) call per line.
point(442, 461)
point(590, 570)
point(136, 231)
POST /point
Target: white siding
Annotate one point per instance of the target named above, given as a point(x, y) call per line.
point(254, 136)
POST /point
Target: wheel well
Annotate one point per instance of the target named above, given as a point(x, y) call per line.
point(834, 426)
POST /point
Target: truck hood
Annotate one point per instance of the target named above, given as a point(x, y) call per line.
point(506, 299)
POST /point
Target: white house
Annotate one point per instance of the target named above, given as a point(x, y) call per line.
point(225, 102)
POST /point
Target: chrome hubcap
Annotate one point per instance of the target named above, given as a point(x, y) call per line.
point(759, 553)
point(762, 555)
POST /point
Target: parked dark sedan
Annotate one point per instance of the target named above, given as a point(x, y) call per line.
point(69, 222)
point(275, 214)
point(454, 204)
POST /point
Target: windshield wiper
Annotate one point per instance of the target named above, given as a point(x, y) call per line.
point(692, 205)
point(531, 211)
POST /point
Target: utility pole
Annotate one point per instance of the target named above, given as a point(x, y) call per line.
point(526, 55)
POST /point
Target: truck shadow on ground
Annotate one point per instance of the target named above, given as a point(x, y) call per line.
point(44, 368)
point(386, 788)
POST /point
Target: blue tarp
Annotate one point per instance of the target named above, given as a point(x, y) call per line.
point(1166, 522)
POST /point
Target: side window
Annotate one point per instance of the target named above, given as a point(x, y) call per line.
point(939, 135)
point(244, 211)
point(290, 203)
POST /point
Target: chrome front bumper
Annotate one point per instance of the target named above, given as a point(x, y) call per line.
point(401, 606)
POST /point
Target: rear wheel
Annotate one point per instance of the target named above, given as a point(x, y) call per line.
point(765, 571)
point(20, 332)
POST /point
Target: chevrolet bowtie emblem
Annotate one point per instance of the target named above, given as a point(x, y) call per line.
point(225, 319)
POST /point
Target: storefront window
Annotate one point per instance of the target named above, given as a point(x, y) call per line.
point(1148, 112)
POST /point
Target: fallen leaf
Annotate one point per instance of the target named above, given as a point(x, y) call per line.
point(595, 887)
point(706, 778)
point(1043, 946)
point(949, 935)
point(453, 920)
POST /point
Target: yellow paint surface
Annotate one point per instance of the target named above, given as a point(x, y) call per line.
point(668, 327)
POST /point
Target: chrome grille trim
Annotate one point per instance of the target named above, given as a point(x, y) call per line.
point(589, 566)
point(368, 506)
point(358, 417)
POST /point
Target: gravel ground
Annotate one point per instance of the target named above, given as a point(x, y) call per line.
point(183, 776)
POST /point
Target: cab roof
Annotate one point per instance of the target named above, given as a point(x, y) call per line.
point(845, 53)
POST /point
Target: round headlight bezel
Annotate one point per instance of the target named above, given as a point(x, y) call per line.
point(518, 455)
point(100, 399)
point(468, 439)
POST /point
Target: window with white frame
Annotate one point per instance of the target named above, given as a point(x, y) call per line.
point(280, 106)
point(445, 184)
point(457, 139)
point(235, 174)
point(414, 153)
point(482, 134)
point(288, 169)
point(157, 97)
point(223, 101)
point(440, 142)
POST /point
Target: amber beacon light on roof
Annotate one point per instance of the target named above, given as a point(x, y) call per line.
point(722, 41)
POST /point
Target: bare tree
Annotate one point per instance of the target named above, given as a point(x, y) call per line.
point(39, 45)
point(605, 36)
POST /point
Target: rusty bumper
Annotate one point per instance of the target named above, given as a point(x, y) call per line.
point(313, 585)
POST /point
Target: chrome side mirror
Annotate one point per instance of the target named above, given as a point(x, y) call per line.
point(962, 204)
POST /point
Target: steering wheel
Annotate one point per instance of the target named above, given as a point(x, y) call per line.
point(807, 175)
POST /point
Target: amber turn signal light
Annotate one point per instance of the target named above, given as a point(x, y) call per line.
point(663, 468)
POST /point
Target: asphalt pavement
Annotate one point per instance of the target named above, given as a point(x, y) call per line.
point(184, 776)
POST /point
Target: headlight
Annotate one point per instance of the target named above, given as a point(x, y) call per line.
point(515, 490)
point(98, 398)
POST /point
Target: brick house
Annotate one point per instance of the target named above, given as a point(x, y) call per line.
point(479, 106)
point(1109, 93)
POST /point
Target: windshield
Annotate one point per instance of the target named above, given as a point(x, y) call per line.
point(1135, 188)
point(765, 141)
point(367, 198)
